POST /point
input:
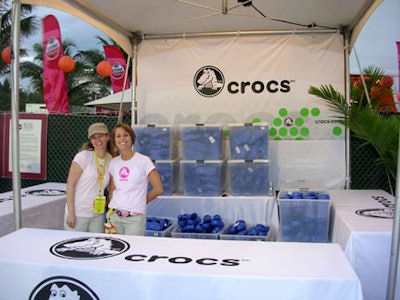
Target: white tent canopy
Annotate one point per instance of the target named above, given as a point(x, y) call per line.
point(123, 20)
point(128, 22)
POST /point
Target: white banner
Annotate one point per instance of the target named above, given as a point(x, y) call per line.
point(240, 79)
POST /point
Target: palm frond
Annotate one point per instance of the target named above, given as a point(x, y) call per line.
point(363, 117)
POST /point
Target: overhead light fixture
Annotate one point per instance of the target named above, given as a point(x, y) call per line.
point(246, 2)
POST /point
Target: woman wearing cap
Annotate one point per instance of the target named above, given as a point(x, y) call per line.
point(130, 172)
point(88, 177)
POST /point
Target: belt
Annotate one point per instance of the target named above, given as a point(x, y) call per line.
point(125, 213)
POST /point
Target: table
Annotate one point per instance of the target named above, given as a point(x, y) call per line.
point(42, 206)
point(362, 225)
point(115, 266)
point(255, 209)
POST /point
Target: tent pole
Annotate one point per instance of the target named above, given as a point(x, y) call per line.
point(134, 81)
point(15, 28)
point(394, 252)
point(347, 88)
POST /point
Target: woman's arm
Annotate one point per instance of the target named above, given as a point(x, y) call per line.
point(75, 172)
point(156, 183)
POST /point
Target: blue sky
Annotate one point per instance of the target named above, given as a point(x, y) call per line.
point(80, 32)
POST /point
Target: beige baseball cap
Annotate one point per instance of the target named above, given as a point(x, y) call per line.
point(97, 128)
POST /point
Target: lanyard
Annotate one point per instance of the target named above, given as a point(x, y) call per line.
point(101, 173)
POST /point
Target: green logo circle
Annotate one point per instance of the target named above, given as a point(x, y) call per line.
point(283, 132)
point(304, 112)
point(283, 112)
point(273, 132)
point(294, 131)
point(277, 122)
point(337, 131)
point(299, 122)
point(315, 112)
point(304, 131)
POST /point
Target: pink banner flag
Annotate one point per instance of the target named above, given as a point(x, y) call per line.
point(116, 58)
point(54, 84)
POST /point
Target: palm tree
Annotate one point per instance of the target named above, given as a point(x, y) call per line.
point(366, 115)
point(29, 25)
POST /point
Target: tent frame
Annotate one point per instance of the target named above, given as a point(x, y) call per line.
point(129, 42)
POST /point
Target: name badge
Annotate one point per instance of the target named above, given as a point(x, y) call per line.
point(99, 204)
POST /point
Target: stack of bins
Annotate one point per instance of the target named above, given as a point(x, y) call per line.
point(159, 143)
point(201, 169)
point(248, 166)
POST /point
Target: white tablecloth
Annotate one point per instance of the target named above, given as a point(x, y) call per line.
point(365, 239)
point(263, 210)
point(121, 267)
point(42, 206)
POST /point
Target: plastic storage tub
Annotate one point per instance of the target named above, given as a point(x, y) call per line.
point(168, 171)
point(248, 177)
point(240, 237)
point(201, 142)
point(248, 140)
point(193, 235)
point(201, 177)
point(155, 141)
point(162, 233)
point(304, 216)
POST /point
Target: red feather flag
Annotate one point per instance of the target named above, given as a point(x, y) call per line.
point(54, 84)
point(116, 58)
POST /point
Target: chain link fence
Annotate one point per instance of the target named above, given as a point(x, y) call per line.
point(66, 134)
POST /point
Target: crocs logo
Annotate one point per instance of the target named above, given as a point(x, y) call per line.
point(62, 287)
point(88, 248)
point(229, 262)
point(208, 81)
point(48, 192)
point(124, 173)
point(381, 213)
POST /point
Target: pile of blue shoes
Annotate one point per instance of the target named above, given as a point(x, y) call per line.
point(240, 228)
point(193, 223)
point(308, 195)
point(157, 224)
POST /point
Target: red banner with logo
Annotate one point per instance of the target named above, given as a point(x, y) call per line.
point(116, 58)
point(54, 83)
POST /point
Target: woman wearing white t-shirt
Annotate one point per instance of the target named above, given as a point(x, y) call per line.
point(130, 172)
point(87, 179)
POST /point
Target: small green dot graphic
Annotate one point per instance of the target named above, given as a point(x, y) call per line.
point(315, 112)
point(299, 139)
point(304, 131)
point(294, 131)
point(283, 132)
point(277, 122)
point(278, 138)
point(273, 132)
point(283, 112)
point(304, 112)
point(337, 131)
point(299, 122)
